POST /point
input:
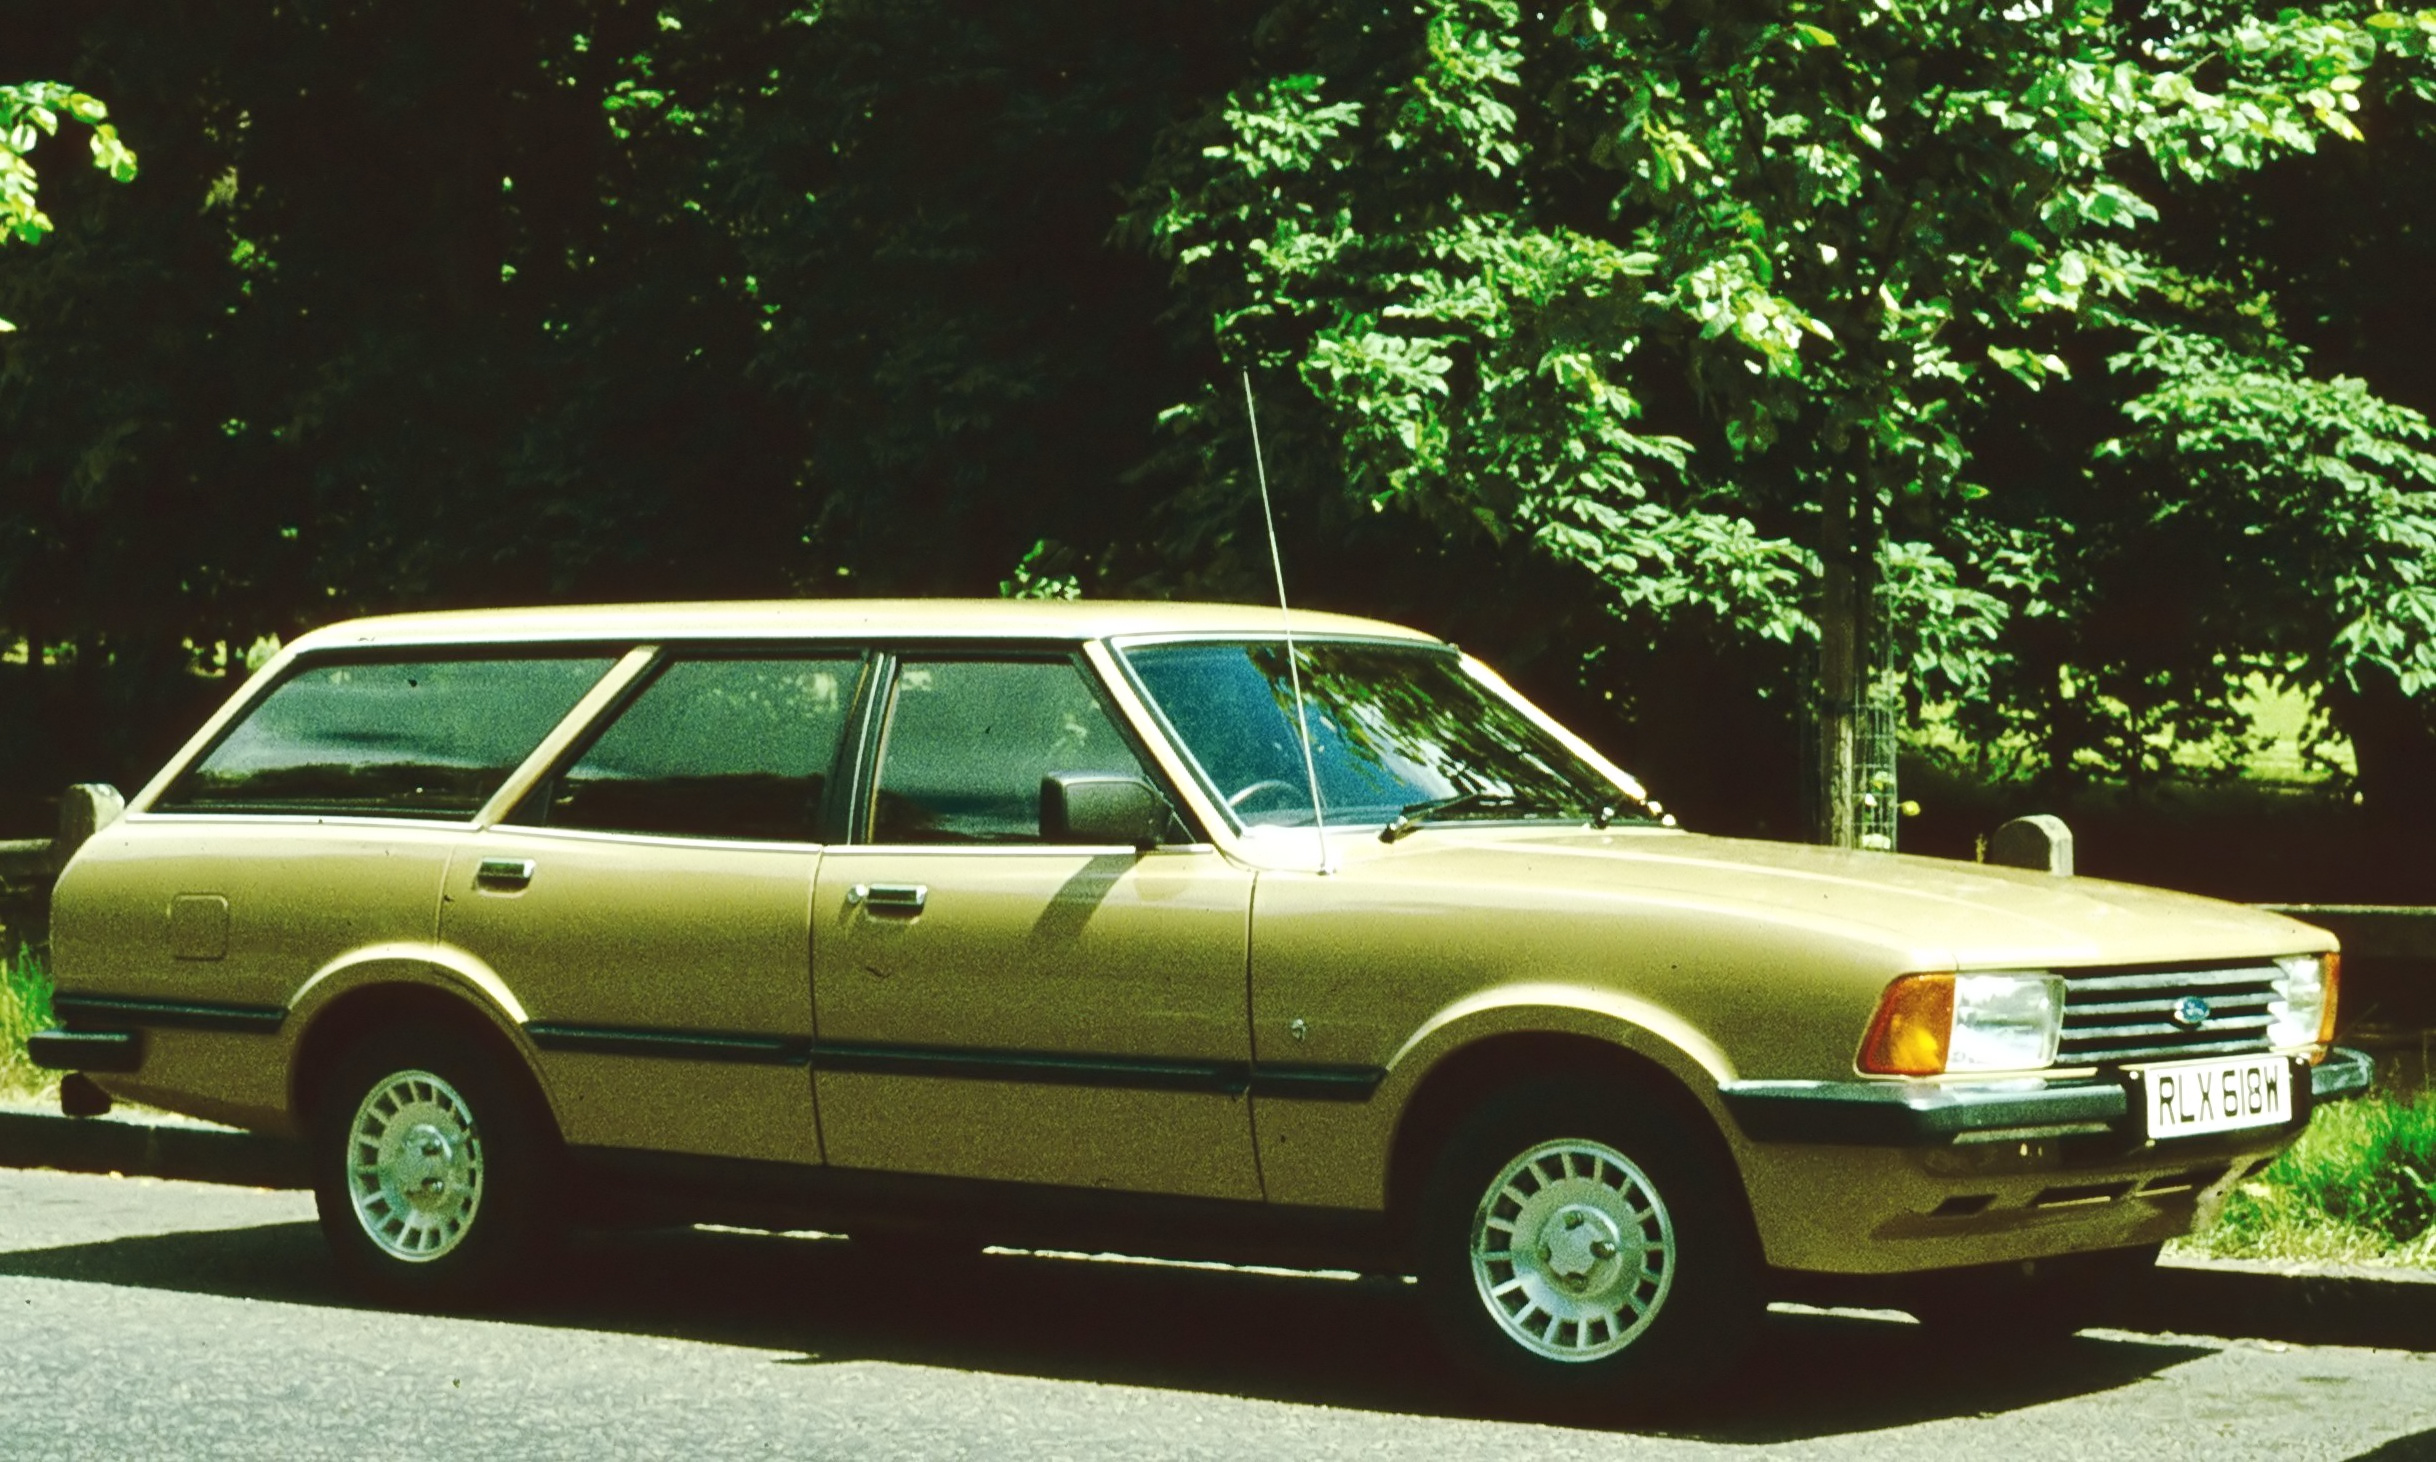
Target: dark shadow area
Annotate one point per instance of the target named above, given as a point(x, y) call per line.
point(2417, 1447)
point(189, 1154)
point(2299, 1309)
point(1357, 1344)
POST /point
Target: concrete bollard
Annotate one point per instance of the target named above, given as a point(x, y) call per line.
point(2039, 842)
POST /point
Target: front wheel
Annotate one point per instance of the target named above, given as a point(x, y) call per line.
point(1579, 1251)
point(431, 1172)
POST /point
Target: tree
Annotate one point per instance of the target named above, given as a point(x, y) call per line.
point(1772, 311)
point(1647, 354)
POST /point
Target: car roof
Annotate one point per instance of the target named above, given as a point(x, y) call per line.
point(852, 619)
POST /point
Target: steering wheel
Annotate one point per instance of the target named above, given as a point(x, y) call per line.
point(1241, 795)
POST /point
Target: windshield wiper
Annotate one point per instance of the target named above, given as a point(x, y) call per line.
point(1410, 819)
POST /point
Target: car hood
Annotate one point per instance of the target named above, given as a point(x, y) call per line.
point(1951, 914)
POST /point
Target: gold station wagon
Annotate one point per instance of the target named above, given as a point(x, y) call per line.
point(1105, 925)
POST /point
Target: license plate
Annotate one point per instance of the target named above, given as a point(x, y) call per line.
point(2191, 1098)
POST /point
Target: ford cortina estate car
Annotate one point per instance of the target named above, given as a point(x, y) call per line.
point(1114, 925)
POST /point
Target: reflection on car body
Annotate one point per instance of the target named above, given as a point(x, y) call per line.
point(1039, 923)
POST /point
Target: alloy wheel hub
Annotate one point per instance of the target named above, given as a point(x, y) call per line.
point(415, 1166)
point(1572, 1250)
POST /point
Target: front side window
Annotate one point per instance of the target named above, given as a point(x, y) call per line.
point(1392, 727)
point(398, 738)
point(968, 742)
point(725, 748)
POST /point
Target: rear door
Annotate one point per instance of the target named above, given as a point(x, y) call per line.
point(648, 904)
point(313, 834)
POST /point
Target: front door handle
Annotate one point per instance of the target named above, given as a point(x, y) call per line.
point(503, 873)
point(890, 900)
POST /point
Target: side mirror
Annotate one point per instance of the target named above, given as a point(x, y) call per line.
point(1081, 807)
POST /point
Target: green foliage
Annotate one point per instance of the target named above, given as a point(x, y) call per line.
point(2100, 318)
point(1035, 576)
point(25, 1007)
point(29, 112)
point(1650, 286)
point(2360, 1183)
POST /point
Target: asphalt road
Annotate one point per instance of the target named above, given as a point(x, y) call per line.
point(144, 1318)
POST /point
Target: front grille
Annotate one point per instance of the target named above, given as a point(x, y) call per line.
point(2128, 1015)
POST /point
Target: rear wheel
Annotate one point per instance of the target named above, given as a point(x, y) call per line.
point(1580, 1252)
point(431, 1171)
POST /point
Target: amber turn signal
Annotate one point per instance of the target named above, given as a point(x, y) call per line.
point(1914, 1025)
point(2326, 1017)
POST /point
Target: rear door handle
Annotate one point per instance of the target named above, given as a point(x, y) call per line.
point(890, 900)
point(503, 873)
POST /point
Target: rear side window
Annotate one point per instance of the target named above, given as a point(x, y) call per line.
point(715, 749)
point(404, 738)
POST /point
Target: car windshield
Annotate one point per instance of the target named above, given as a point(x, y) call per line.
point(1395, 729)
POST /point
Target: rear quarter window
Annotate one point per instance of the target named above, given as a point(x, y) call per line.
point(430, 738)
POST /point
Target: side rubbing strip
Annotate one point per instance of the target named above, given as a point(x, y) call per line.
point(965, 1063)
point(1317, 1083)
point(1052, 1068)
point(667, 1045)
point(81, 1010)
point(1059, 1068)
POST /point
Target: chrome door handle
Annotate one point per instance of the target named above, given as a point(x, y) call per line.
point(503, 873)
point(891, 900)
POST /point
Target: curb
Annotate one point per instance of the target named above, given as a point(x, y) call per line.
point(166, 1148)
point(2382, 1307)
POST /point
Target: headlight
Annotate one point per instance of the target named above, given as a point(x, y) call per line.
point(1928, 1025)
point(2302, 1011)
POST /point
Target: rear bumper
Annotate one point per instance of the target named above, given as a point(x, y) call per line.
point(1899, 1114)
point(103, 1051)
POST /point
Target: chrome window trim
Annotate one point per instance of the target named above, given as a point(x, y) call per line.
point(293, 819)
point(1023, 850)
point(649, 840)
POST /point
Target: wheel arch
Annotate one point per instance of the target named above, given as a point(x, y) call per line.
point(1462, 1079)
point(350, 1015)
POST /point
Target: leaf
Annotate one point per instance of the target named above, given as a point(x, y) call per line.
point(1814, 34)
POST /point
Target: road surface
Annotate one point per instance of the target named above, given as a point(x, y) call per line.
point(143, 1318)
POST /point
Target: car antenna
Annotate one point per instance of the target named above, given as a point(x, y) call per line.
point(1285, 617)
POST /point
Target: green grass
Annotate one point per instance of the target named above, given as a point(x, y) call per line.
point(25, 1007)
point(2359, 1187)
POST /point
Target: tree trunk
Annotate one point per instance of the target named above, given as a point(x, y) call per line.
point(2393, 743)
point(1843, 633)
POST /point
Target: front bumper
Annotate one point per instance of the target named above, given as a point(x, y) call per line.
point(1906, 1114)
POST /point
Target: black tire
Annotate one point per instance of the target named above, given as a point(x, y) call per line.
point(2033, 1303)
point(451, 1205)
point(1608, 1170)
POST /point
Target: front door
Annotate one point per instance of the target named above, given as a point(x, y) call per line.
point(994, 1006)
